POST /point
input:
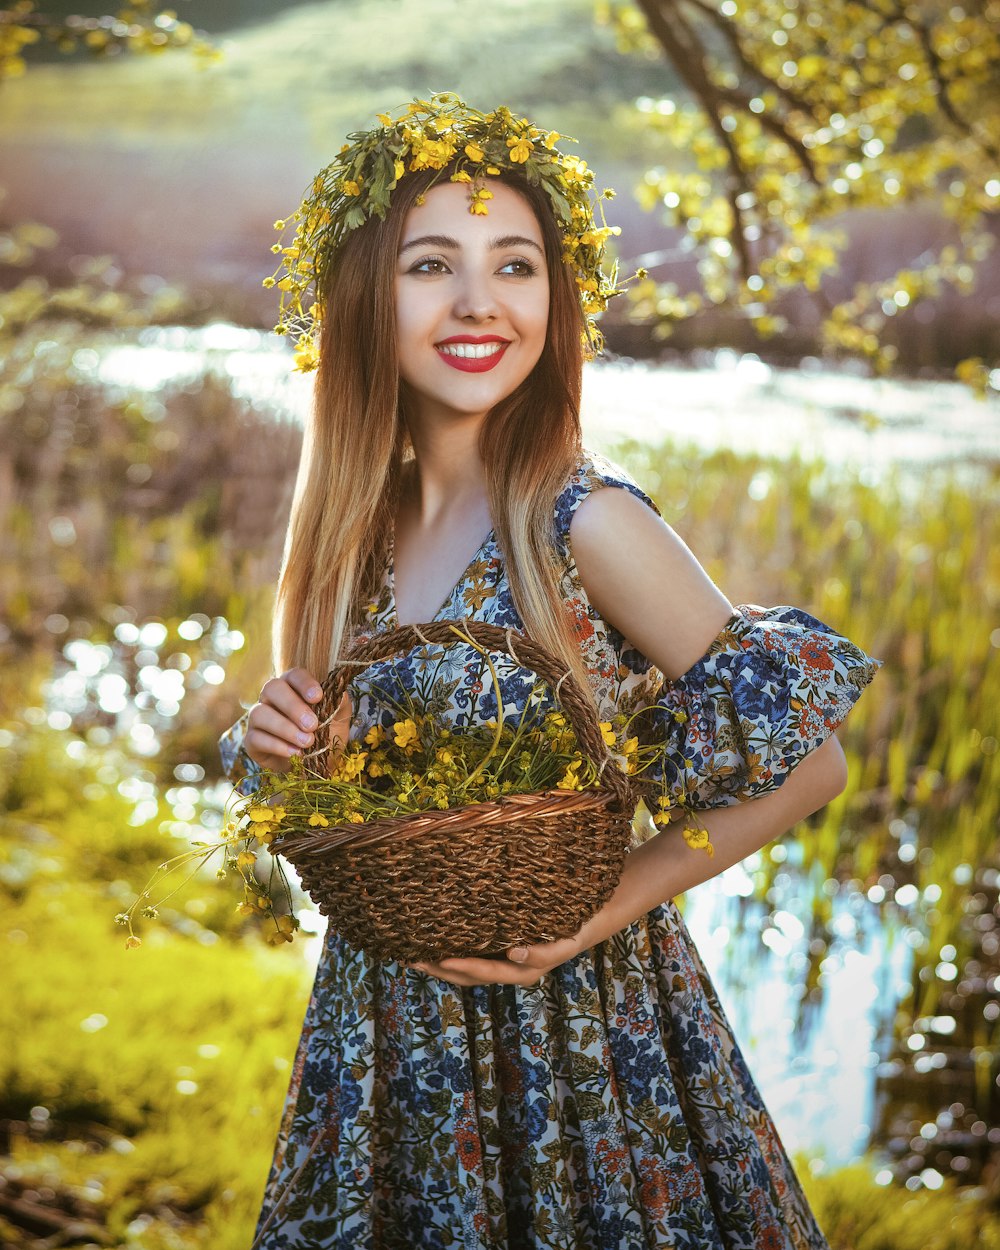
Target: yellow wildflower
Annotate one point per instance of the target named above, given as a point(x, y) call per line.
point(570, 780)
point(405, 734)
point(306, 356)
point(607, 733)
point(551, 139)
point(279, 224)
point(460, 175)
point(246, 859)
point(355, 818)
point(384, 118)
point(375, 736)
point(399, 169)
point(492, 169)
point(352, 187)
point(698, 840)
point(351, 766)
point(261, 814)
point(520, 149)
point(474, 152)
point(318, 819)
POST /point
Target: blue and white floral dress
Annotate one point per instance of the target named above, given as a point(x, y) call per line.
point(608, 1107)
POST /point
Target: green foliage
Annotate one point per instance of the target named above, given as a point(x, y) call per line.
point(794, 113)
point(152, 1079)
point(856, 1213)
point(910, 571)
point(135, 27)
point(117, 509)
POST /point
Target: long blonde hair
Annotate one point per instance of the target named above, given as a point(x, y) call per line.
point(348, 482)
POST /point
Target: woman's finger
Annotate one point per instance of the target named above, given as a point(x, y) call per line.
point(284, 698)
point(269, 720)
point(268, 750)
point(304, 684)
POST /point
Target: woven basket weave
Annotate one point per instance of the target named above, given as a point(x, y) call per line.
point(477, 879)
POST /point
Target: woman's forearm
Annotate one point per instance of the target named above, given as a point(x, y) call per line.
point(666, 866)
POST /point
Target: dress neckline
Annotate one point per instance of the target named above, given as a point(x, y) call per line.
point(391, 579)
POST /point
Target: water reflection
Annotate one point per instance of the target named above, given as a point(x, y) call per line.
point(814, 1014)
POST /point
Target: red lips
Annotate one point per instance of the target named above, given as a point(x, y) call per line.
point(475, 362)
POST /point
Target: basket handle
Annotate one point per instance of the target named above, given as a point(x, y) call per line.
point(519, 647)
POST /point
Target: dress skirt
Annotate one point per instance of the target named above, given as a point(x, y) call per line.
point(606, 1108)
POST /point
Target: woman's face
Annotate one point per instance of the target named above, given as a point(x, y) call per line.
point(472, 300)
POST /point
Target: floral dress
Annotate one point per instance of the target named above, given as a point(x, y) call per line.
point(607, 1107)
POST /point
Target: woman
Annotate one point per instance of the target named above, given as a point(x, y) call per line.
point(585, 1092)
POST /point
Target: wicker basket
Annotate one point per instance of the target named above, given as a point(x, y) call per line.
point(480, 878)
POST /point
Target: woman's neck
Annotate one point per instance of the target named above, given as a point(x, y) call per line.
point(446, 476)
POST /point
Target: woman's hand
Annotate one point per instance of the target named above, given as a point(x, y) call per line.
point(283, 723)
point(524, 965)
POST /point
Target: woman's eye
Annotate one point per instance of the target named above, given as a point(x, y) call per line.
point(520, 268)
point(430, 264)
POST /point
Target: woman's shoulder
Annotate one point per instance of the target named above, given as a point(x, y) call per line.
point(592, 472)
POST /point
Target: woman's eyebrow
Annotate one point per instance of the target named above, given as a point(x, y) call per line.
point(430, 240)
point(446, 241)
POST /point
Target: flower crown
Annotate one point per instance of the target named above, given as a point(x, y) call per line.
point(435, 134)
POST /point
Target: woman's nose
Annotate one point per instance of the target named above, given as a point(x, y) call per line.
point(474, 299)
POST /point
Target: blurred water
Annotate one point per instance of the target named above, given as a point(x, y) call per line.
point(814, 1053)
point(726, 399)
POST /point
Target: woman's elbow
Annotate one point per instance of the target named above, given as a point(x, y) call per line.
point(827, 768)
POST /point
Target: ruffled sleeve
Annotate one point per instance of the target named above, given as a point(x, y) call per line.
point(773, 686)
point(241, 770)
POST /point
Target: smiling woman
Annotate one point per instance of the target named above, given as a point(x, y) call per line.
point(473, 300)
point(586, 1091)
